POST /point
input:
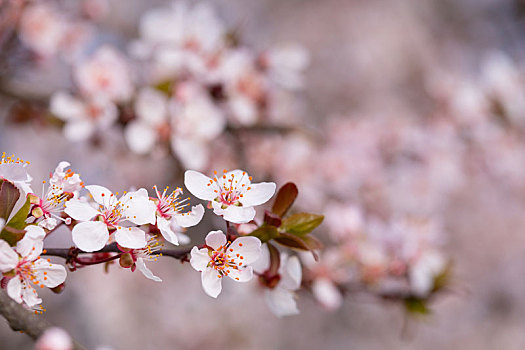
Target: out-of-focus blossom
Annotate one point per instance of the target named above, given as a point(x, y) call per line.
point(151, 124)
point(54, 339)
point(24, 267)
point(232, 195)
point(286, 65)
point(42, 28)
point(325, 275)
point(171, 219)
point(91, 235)
point(281, 297)
point(423, 272)
point(83, 117)
point(196, 122)
point(105, 75)
point(224, 258)
point(244, 86)
point(96, 9)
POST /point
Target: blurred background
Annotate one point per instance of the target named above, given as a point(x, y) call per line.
point(402, 121)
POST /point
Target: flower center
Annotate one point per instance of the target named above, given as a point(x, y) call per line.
point(230, 190)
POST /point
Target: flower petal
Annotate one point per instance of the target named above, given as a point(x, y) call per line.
point(50, 275)
point(216, 239)
point(145, 271)
point(327, 293)
point(90, 236)
point(65, 106)
point(100, 194)
point(258, 194)
point(237, 215)
point(166, 231)
point(29, 294)
point(197, 184)
point(14, 289)
point(281, 302)
point(191, 218)
point(199, 258)
point(80, 210)
point(79, 130)
point(140, 137)
point(291, 274)
point(30, 247)
point(263, 263)
point(211, 282)
point(248, 247)
point(241, 275)
point(8, 257)
point(141, 209)
point(130, 237)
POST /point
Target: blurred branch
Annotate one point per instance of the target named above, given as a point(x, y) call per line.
point(23, 320)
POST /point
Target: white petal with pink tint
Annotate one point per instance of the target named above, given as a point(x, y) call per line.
point(211, 283)
point(90, 236)
point(216, 239)
point(50, 275)
point(197, 184)
point(80, 210)
point(258, 194)
point(141, 266)
point(191, 218)
point(8, 257)
point(130, 237)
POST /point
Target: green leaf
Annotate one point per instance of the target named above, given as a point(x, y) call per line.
point(301, 224)
point(14, 229)
point(285, 198)
point(166, 87)
point(9, 195)
point(442, 280)
point(416, 306)
point(265, 233)
point(12, 235)
point(18, 221)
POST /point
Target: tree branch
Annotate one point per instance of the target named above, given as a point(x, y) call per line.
point(23, 320)
point(72, 253)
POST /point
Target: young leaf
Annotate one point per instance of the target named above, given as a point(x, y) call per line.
point(272, 219)
point(18, 221)
point(12, 235)
point(9, 195)
point(285, 198)
point(301, 224)
point(265, 233)
point(292, 241)
point(416, 306)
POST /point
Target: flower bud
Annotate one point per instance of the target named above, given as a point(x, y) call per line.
point(126, 260)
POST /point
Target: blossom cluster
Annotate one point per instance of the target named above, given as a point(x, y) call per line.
point(178, 86)
point(133, 228)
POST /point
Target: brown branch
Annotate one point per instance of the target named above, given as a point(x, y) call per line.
point(71, 254)
point(23, 320)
